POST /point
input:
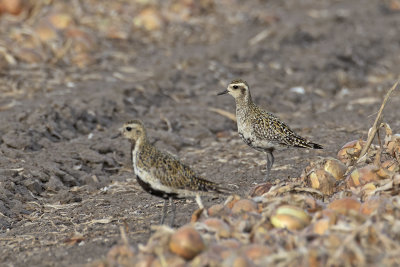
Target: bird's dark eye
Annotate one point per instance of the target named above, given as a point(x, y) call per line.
point(235, 87)
point(128, 129)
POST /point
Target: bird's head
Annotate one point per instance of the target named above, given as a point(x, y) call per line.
point(133, 130)
point(238, 89)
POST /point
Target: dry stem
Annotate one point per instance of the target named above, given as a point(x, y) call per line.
point(375, 126)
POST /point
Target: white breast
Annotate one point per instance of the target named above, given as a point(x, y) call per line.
point(243, 129)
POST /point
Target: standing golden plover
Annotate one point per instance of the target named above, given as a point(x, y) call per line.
point(162, 175)
point(260, 129)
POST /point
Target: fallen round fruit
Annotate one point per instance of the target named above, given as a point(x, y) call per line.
point(186, 242)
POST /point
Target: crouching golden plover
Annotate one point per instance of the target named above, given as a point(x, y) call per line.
point(161, 174)
point(260, 129)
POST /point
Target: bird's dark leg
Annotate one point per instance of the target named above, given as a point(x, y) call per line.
point(173, 208)
point(270, 162)
point(164, 212)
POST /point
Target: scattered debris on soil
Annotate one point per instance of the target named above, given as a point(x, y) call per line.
point(73, 71)
point(336, 214)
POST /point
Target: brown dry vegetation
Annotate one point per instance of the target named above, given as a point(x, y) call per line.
point(73, 71)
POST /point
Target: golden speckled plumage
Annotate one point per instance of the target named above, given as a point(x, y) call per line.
point(260, 129)
point(173, 173)
point(267, 126)
point(163, 175)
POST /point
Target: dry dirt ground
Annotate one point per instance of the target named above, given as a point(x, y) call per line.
point(66, 187)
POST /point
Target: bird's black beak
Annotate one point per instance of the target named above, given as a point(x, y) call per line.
point(224, 92)
point(116, 135)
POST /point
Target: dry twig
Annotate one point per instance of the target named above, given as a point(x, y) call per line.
point(224, 113)
point(376, 124)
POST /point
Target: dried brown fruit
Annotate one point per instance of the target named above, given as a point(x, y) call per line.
point(353, 179)
point(29, 55)
point(314, 260)
point(212, 257)
point(362, 176)
point(391, 165)
point(81, 41)
point(46, 32)
point(13, 7)
point(82, 60)
point(186, 242)
point(394, 5)
point(345, 205)
point(143, 260)
point(214, 210)
point(231, 200)
point(323, 181)
point(219, 250)
point(117, 33)
point(260, 232)
point(219, 226)
point(260, 189)
point(230, 243)
point(384, 173)
point(60, 21)
point(295, 212)
point(256, 251)
point(350, 151)
point(183, 10)
point(149, 19)
point(371, 205)
point(168, 260)
point(396, 180)
point(240, 261)
point(287, 221)
point(331, 215)
point(321, 226)
point(367, 190)
point(393, 145)
point(245, 205)
point(290, 217)
point(336, 168)
point(312, 205)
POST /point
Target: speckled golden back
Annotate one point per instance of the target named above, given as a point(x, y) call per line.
point(267, 126)
point(259, 128)
point(161, 172)
point(170, 171)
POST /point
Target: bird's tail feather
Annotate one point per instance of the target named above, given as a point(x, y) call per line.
point(316, 146)
point(307, 144)
point(211, 187)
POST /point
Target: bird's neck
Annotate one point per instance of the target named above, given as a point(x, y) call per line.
point(139, 144)
point(244, 102)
